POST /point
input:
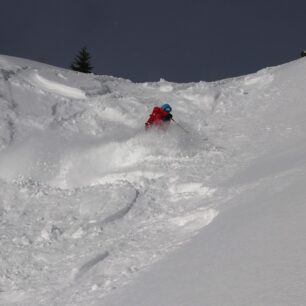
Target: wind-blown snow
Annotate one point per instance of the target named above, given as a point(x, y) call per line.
point(88, 199)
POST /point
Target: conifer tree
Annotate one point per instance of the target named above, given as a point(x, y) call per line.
point(82, 62)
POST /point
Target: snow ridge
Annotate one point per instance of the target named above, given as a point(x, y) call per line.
point(57, 88)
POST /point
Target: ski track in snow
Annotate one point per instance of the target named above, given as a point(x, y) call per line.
point(88, 198)
point(88, 265)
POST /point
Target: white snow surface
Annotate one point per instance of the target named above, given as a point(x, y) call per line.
point(94, 210)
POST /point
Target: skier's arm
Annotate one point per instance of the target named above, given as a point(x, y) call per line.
point(152, 117)
point(150, 121)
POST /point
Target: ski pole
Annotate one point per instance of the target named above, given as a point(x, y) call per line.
point(180, 126)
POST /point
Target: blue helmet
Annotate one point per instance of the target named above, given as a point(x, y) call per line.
point(167, 108)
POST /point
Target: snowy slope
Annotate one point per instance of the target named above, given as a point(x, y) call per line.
point(254, 252)
point(89, 200)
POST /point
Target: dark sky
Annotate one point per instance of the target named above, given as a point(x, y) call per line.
point(145, 40)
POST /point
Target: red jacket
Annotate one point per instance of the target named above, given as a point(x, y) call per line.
point(158, 118)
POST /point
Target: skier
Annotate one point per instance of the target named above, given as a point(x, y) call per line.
point(160, 117)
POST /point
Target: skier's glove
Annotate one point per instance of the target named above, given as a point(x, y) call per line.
point(168, 117)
